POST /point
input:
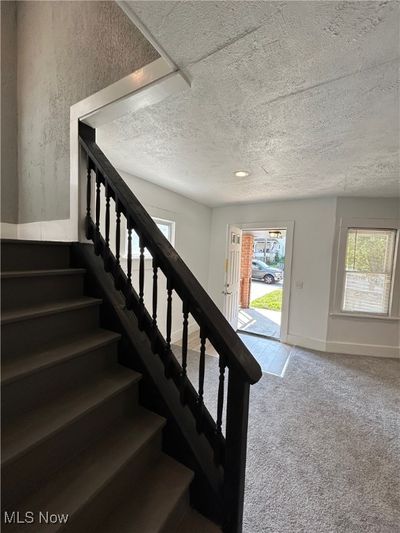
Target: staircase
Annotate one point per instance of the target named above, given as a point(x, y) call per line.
point(92, 445)
point(75, 439)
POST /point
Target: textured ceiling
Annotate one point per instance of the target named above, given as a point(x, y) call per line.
point(304, 95)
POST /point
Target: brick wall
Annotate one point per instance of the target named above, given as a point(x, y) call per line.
point(245, 270)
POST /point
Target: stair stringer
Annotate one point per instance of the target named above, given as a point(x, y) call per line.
point(181, 438)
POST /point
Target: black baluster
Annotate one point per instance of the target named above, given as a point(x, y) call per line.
point(201, 379)
point(202, 365)
point(219, 449)
point(117, 232)
point(107, 223)
point(117, 273)
point(169, 327)
point(97, 201)
point(169, 313)
point(185, 337)
point(155, 287)
point(96, 236)
point(220, 406)
point(141, 271)
point(107, 256)
point(141, 283)
point(185, 312)
point(88, 197)
point(129, 254)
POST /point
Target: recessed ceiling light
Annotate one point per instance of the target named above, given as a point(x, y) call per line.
point(242, 173)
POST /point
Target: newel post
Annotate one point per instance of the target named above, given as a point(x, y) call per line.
point(86, 187)
point(236, 449)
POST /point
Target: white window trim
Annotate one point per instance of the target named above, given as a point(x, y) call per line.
point(365, 223)
point(135, 257)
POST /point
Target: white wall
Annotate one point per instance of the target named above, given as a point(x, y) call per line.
point(311, 322)
point(192, 241)
point(314, 224)
point(9, 175)
point(66, 51)
point(367, 336)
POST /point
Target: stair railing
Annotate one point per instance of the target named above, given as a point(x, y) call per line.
point(105, 184)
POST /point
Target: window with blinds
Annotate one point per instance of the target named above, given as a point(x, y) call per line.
point(368, 274)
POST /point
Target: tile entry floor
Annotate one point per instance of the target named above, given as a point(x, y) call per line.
point(273, 356)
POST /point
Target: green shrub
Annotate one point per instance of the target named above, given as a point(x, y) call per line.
point(272, 301)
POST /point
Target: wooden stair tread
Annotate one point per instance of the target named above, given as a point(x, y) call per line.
point(39, 273)
point(78, 442)
point(33, 427)
point(37, 242)
point(86, 474)
point(37, 311)
point(24, 365)
point(149, 505)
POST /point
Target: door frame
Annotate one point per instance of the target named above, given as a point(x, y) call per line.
point(287, 225)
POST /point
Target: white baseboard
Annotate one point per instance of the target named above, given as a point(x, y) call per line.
point(306, 342)
point(347, 348)
point(373, 350)
point(49, 230)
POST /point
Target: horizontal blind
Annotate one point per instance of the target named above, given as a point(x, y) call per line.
point(368, 270)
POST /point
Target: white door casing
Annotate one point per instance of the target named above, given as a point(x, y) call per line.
point(232, 276)
point(287, 225)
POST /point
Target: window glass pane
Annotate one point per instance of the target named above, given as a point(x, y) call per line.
point(164, 226)
point(368, 270)
point(350, 250)
point(165, 229)
point(135, 243)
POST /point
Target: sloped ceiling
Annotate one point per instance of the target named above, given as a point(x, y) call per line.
point(303, 95)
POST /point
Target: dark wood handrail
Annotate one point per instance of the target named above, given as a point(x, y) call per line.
point(204, 310)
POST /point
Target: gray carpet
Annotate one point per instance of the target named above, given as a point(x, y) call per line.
point(324, 445)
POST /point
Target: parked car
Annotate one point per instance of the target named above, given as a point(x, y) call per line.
point(261, 270)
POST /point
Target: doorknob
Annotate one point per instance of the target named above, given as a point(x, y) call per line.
point(226, 292)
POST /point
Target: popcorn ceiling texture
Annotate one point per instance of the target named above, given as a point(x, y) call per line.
point(305, 95)
point(66, 52)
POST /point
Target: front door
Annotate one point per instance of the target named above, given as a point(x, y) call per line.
point(232, 278)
